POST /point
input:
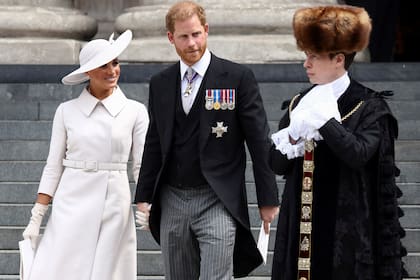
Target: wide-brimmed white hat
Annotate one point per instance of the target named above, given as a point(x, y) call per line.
point(95, 54)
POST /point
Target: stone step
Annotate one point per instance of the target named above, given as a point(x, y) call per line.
point(18, 215)
point(405, 109)
point(408, 129)
point(28, 103)
point(41, 130)
point(30, 171)
point(279, 90)
point(149, 263)
point(270, 72)
point(16, 277)
point(35, 150)
point(39, 101)
point(402, 109)
point(25, 192)
point(407, 150)
point(11, 235)
point(44, 109)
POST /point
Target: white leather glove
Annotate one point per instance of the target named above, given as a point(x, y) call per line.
point(297, 124)
point(282, 142)
point(32, 229)
point(310, 133)
point(323, 109)
point(142, 218)
point(317, 117)
point(300, 126)
point(280, 136)
point(317, 107)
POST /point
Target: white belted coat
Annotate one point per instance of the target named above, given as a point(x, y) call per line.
point(90, 234)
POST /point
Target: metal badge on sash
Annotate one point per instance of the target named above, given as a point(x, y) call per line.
point(209, 99)
point(305, 234)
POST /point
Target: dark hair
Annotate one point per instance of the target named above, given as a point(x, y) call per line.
point(348, 58)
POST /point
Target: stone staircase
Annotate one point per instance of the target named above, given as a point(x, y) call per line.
point(29, 95)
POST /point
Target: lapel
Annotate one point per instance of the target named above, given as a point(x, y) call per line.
point(214, 78)
point(168, 89)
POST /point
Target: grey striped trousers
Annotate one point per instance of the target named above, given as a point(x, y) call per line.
point(197, 235)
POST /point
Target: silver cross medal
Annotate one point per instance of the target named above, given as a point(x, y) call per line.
point(219, 129)
point(188, 90)
point(190, 79)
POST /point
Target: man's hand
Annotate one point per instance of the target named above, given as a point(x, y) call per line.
point(143, 214)
point(267, 214)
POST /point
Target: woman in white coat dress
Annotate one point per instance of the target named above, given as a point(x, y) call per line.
point(90, 234)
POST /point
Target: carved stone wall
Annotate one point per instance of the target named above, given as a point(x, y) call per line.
point(53, 31)
point(256, 31)
point(42, 31)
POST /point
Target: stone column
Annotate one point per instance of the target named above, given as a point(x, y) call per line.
point(42, 32)
point(258, 31)
point(104, 11)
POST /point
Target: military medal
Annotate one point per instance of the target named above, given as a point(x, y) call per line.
point(224, 104)
point(209, 99)
point(216, 105)
point(188, 90)
point(231, 104)
point(219, 129)
point(190, 83)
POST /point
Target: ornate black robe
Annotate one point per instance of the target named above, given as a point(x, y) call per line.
point(355, 223)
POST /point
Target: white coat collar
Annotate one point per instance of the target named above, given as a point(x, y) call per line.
point(113, 103)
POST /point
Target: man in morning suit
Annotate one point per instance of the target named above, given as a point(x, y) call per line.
point(192, 181)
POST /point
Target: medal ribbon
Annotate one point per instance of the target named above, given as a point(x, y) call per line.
point(190, 80)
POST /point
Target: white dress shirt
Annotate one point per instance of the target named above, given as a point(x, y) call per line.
point(200, 67)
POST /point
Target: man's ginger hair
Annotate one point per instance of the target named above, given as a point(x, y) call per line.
point(184, 10)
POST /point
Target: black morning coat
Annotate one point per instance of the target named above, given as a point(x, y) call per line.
point(223, 160)
point(355, 221)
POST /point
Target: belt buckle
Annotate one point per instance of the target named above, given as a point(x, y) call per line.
point(91, 166)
